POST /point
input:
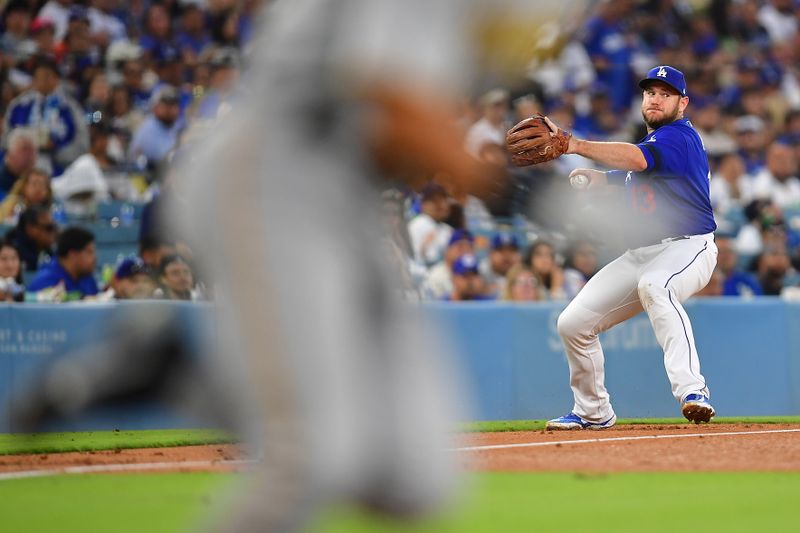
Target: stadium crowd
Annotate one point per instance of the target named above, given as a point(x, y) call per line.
point(740, 58)
point(97, 96)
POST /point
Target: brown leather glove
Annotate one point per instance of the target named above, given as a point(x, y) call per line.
point(532, 141)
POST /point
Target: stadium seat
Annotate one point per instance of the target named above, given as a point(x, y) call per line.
point(105, 234)
point(113, 208)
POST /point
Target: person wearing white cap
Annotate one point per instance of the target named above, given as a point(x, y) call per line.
point(57, 11)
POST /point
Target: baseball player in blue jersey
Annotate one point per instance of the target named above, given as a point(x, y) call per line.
point(671, 254)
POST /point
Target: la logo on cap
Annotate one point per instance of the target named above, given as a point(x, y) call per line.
point(662, 73)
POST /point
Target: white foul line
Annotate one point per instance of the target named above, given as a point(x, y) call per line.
point(121, 467)
point(617, 439)
point(132, 467)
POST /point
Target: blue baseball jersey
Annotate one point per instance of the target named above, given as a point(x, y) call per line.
point(670, 198)
point(53, 273)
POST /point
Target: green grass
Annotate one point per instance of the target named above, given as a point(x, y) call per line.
point(534, 425)
point(498, 502)
point(511, 502)
point(112, 440)
point(108, 440)
point(103, 503)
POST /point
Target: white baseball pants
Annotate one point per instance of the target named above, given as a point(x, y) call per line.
point(656, 279)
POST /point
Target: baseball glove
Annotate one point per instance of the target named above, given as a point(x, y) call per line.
point(532, 141)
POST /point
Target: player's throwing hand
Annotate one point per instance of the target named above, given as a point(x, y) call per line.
point(594, 178)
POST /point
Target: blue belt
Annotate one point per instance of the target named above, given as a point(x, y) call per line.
point(673, 239)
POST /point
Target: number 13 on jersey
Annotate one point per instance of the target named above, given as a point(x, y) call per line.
point(643, 198)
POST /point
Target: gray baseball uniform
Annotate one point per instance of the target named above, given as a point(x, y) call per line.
point(353, 396)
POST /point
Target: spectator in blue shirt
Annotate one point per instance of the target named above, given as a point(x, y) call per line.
point(57, 118)
point(157, 39)
point(73, 267)
point(748, 76)
point(224, 78)
point(468, 284)
point(736, 282)
point(159, 131)
point(751, 139)
point(611, 50)
point(704, 37)
point(600, 121)
point(193, 37)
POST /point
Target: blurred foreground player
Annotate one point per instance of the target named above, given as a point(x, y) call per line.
point(354, 398)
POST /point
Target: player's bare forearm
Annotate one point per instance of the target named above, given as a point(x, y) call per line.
point(616, 155)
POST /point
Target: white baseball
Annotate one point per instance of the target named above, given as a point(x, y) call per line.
point(579, 181)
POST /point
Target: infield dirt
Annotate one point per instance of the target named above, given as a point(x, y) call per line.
point(716, 447)
point(626, 448)
point(207, 458)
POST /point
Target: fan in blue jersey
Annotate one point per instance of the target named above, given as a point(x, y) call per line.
point(671, 254)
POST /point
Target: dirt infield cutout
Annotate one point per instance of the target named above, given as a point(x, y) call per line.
point(625, 448)
point(631, 448)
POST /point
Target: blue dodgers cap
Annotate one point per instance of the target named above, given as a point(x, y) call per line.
point(130, 267)
point(666, 74)
point(505, 240)
point(465, 264)
point(460, 235)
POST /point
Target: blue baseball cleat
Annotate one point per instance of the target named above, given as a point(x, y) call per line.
point(696, 408)
point(573, 421)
